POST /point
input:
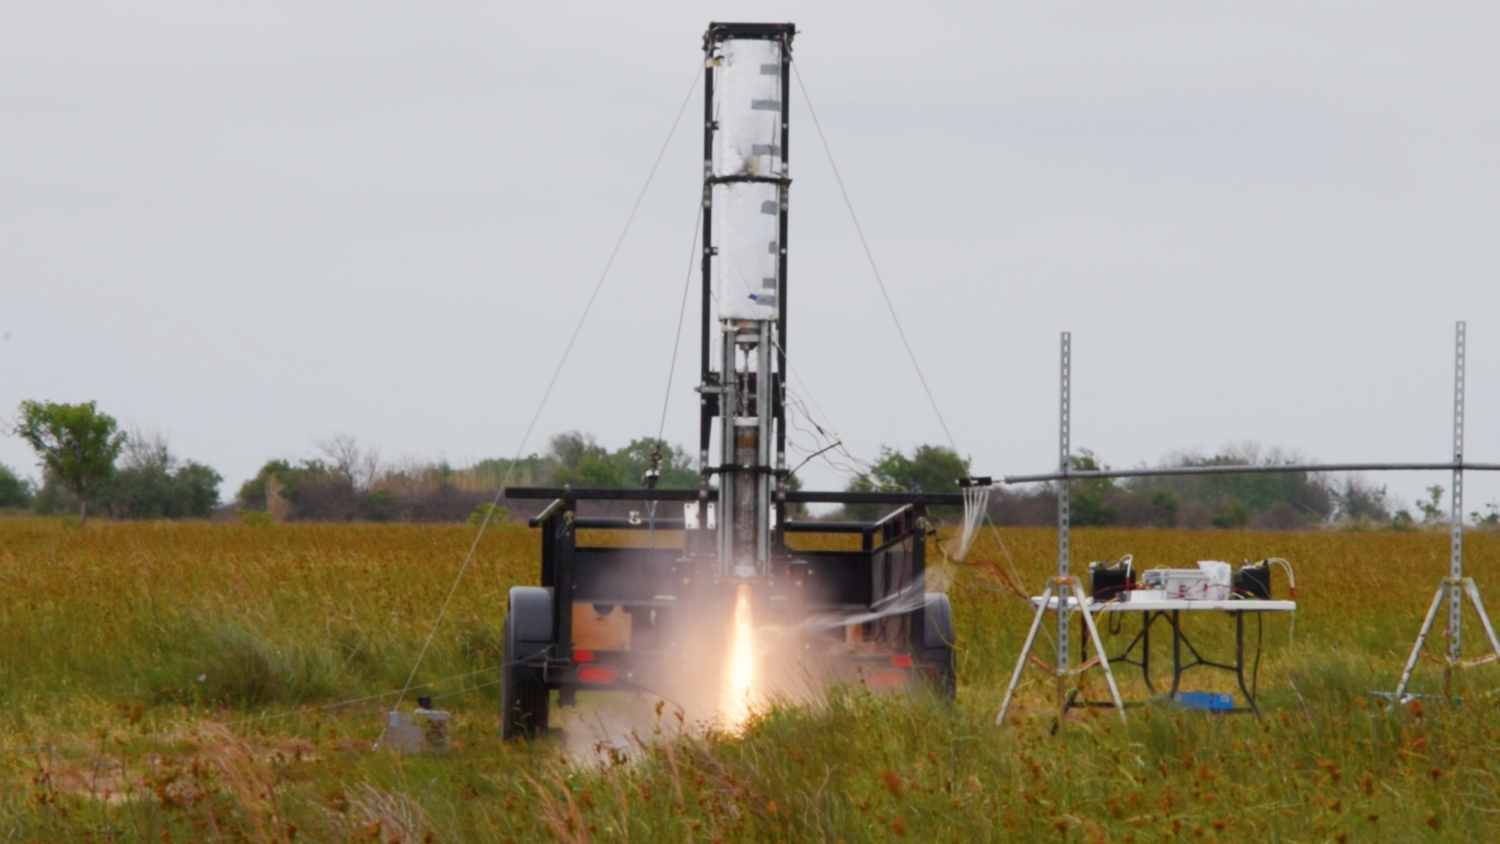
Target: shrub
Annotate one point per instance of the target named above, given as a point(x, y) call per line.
point(487, 513)
point(1164, 507)
point(1230, 513)
point(14, 490)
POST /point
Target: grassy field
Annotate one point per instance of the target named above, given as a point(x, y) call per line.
point(172, 682)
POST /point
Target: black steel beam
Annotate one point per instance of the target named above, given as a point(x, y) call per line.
point(720, 31)
point(707, 409)
point(893, 498)
point(778, 397)
point(521, 493)
point(829, 527)
point(605, 523)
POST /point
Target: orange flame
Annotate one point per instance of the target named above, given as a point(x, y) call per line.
point(740, 668)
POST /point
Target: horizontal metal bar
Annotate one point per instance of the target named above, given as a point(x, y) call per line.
point(798, 497)
point(1082, 475)
point(605, 523)
point(829, 527)
point(850, 497)
point(742, 177)
point(600, 494)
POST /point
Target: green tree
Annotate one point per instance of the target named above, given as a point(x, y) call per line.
point(1089, 504)
point(1164, 508)
point(14, 490)
point(676, 470)
point(252, 494)
point(197, 489)
point(582, 462)
point(1488, 519)
point(495, 472)
point(1432, 508)
point(1359, 500)
point(1255, 493)
point(76, 443)
point(930, 468)
point(1230, 513)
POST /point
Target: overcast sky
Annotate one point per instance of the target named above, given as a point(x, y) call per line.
point(254, 225)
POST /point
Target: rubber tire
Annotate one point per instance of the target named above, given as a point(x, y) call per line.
point(937, 645)
point(523, 695)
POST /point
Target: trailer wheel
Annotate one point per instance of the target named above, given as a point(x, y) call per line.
point(523, 694)
point(937, 645)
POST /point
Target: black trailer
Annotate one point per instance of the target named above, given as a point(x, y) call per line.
point(616, 616)
point(898, 637)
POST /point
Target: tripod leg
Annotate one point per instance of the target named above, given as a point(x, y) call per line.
point(1484, 618)
point(1416, 649)
point(1015, 677)
point(1109, 676)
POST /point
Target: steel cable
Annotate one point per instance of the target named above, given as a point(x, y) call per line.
point(567, 350)
point(870, 256)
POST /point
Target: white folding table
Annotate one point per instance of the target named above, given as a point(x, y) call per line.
point(1170, 610)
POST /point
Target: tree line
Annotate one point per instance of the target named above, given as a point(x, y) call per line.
point(90, 465)
point(88, 462)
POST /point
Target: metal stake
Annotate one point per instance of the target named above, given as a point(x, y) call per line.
point(1064, 436)
point(1456, 522)
point(1063, 583)
point(1455, 585)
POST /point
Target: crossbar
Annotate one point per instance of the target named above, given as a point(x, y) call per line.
point(1086, 474)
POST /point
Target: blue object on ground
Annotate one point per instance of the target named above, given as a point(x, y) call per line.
point(1205, 700)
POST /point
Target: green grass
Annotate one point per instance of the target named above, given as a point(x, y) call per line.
point(108, 732)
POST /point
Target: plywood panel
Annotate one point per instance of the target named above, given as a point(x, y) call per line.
point(595, 632)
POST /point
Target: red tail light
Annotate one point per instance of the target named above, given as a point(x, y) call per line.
point(582, 656)
point(596, 674)
point(901, 660)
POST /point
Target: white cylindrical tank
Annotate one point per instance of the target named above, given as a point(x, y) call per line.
point(747, 106)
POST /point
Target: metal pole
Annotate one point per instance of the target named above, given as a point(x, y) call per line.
point(781, 288)
point(706, 408)
point(1271, 469)
point(1456, 524)
point(1064, 454)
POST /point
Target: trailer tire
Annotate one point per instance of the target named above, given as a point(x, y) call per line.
point(937, 645)
point(523, 693)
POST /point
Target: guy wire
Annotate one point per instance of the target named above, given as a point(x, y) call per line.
point(582, 318)
point(687, 286)
point(870, 256)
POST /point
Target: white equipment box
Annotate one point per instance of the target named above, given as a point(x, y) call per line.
point(1210, 581)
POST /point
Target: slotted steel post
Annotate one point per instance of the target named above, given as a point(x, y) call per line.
point(1456, 524)
point(1064, 593)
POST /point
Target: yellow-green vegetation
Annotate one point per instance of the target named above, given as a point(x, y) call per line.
point(159, 683)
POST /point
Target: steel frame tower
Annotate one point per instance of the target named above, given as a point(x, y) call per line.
point(745, 187)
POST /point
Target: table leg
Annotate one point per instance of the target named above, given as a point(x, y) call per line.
point(1176, 653)
point(1239, 661)
point(1146, 619)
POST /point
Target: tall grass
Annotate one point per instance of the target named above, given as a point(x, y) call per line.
point(151, 678)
